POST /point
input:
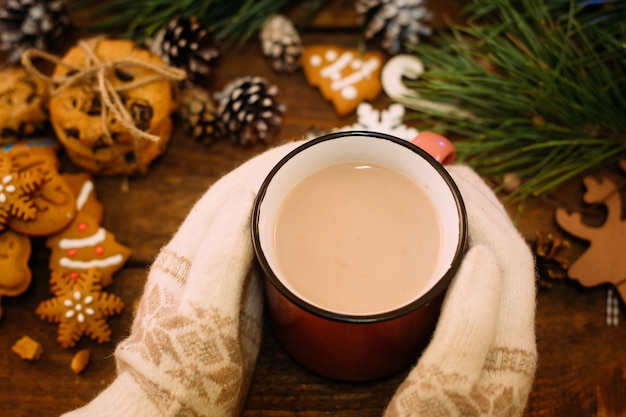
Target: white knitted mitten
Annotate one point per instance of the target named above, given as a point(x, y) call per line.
point(482, 358)
point(196, 335)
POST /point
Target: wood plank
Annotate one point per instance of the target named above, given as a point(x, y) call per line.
point(582, 366)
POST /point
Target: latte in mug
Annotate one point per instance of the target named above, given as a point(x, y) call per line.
point(358, 235)
point(357, 238)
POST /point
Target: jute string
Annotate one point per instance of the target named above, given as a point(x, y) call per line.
point(97, 73)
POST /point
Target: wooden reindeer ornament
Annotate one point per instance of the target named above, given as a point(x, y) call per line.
point(604, 261)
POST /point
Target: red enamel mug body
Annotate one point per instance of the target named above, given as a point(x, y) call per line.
point(360, 346)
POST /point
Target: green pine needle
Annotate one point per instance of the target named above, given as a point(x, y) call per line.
point(233, 21)
point(544, 81)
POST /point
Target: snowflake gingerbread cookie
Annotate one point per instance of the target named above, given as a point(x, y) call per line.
point(80, 307)
point(346, 77)
point(16, 189)
point(52, 200)
point(389, 121)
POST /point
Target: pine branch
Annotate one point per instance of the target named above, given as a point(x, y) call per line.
point(545, 82)
point(233, 21)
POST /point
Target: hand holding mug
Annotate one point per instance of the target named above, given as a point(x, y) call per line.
point(196, 335)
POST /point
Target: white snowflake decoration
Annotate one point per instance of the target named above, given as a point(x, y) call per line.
point(387, 121)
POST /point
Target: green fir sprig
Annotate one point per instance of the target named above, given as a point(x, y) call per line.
point(541, 85)
point(233, 21)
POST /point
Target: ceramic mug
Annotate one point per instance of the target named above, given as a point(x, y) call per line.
point(325, 320)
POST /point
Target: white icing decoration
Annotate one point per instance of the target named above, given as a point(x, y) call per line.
point(83, 195)
point(76, 309)
point(6, 186)
point(349, 92)
point(315, 60)
point(101, 263)
point(331, 55)
point(345, 86)
point(333, 71)
point(365, 71)
point(92, 240)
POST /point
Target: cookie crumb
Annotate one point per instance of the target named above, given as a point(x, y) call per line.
point(27, 349)
point(80, 361)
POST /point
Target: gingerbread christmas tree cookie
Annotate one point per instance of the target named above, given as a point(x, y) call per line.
point(80, 307)
point(85, 243)
point(346, 77)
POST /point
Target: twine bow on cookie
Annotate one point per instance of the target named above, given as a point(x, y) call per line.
point(96, 73)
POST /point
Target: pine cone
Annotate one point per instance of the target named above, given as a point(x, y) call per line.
point(248, 110)
point(399, 21)
point(184, 43)
point(281, 44)
point(31, 24)
point(198, 115)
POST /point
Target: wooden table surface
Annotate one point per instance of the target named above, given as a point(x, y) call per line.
point(582, 361)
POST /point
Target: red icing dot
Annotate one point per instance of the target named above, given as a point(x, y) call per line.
point(72, 252)
point(82, 226)
point(99, 250)
point(74, 275)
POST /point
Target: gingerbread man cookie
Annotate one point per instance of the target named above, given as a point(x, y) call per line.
point(15, 276)
point(346, 77)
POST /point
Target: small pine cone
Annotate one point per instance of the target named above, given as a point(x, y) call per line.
point(248, 110)
point(184, 43)
point(398, 21)
point(198, 115)
point(281, 44)
point(31, 24)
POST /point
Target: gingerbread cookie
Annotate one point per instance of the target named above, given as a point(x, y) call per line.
point(134, 128)
point(15, 276)
point(83, 188)
point(84, 243)
point(53, 200)
point(23, 110)
point(346, 77)
point(80, 307)
point(17, 187)
point(27, 348)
